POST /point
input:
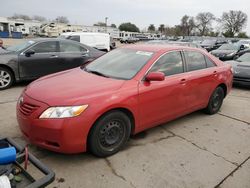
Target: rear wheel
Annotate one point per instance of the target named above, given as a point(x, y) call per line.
point(215, 101)
point(109, 134)
point(6, 78)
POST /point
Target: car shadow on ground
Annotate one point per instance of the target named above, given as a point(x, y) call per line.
point(148, 136)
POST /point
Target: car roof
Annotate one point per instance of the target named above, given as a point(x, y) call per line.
point(47, 39)
point(89, 33)
point(157, 47)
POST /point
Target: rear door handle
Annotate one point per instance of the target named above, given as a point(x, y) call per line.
point(53, 56)
point(215, 73)
point(183, 80)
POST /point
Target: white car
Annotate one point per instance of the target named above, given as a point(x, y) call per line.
point(100, 41)
point(245, 42)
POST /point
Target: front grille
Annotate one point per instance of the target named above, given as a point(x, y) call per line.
point(27, 108)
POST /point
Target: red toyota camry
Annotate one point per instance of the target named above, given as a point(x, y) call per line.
point(133, 88)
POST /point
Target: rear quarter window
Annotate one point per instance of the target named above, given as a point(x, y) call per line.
point(195, 60)
point(209, 62)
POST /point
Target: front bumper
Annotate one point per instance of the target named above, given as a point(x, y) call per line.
point(67, 135)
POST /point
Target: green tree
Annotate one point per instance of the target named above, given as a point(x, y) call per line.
point(204, 22)
point(62, 19)
point(113, 25)
point(151, 28)
point(187, 25)
point(242, 35)
point(20, 16)
point(161, 28)
point(129, 27)
point(233, 22)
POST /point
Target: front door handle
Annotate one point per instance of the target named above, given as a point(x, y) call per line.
point(85, 55)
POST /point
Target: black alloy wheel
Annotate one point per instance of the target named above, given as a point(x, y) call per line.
point(6, 78)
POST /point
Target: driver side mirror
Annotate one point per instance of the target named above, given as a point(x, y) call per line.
point(155, 76)
point(242, 47)
point(29, 53)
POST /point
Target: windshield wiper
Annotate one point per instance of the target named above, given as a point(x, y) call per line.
point(96, 72)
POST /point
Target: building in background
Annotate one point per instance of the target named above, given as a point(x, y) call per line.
point(17, 28)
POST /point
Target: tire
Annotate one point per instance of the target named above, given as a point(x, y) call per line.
point(6, 78)
point(215, 101)
point(109, 134)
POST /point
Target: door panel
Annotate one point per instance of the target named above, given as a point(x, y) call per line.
point(72, 55)
point(44, 61)
point(201, 79)
point(160, 101)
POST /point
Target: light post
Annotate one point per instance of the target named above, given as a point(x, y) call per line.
point(106, 24)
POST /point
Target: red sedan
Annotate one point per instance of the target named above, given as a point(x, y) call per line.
point(133, 88)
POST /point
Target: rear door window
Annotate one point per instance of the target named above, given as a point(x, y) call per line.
point(209, 62)
point(170, 64)
point(71, 47)
point(195, 60)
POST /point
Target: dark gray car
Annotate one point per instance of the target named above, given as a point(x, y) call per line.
point(241, 69)
point(35, 58)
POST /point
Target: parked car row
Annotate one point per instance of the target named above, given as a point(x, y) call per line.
point(129, 40)
point(35, 58)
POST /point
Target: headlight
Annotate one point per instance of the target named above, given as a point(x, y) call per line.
point(63, 112)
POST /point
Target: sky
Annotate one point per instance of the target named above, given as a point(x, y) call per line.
point(140, 12)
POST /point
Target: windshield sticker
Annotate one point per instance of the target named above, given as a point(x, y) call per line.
point(144, 53)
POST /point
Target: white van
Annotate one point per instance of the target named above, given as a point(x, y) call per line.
point(100, 41)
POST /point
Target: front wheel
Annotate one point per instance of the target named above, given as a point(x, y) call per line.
point(109, 134)
point(215, 101)
point(6, 78)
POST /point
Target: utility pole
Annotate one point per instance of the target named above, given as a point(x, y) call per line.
point(106, 24)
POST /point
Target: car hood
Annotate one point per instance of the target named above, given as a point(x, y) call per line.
point(223, 51)
point(71, 87)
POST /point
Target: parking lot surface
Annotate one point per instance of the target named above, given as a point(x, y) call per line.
point(197, 150)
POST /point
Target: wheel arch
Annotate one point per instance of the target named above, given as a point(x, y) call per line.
point(126, 111)
point(10, 69)
point(224, 87)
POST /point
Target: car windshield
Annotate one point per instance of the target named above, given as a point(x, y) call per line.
point(120, 63)
point(244, 58)
point(208, 42)
point(229, 47)
point(19, 47)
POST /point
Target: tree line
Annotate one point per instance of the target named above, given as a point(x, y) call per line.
point(230, 23)
point(58, 19)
